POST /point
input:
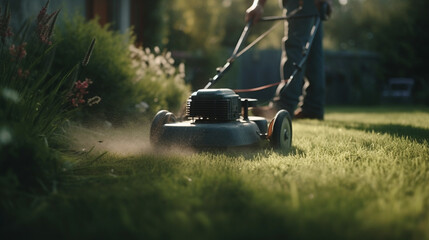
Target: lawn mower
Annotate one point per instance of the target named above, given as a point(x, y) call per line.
point(218, 117)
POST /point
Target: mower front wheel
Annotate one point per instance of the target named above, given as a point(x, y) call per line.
point(281, 132)
point(156, 128)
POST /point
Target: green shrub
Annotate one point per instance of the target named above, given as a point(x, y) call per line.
point(123, 76)
point(110, 67)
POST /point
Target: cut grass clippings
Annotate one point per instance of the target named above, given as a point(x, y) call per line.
point(363, 173)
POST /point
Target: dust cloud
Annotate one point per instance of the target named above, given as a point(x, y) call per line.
point(127, 140)
point(130, 139)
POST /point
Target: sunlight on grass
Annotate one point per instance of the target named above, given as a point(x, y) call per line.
point(346, 178)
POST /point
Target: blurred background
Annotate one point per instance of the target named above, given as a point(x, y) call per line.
point(376, 50)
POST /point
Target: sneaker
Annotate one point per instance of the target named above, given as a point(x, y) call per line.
point(299, 114)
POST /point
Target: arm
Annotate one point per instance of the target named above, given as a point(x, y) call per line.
point(254, 12)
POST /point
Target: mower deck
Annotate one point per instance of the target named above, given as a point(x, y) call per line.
point(201, 134)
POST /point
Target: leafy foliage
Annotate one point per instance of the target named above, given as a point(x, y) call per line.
point(394, 29)
point(34, 99)
point(109, 68)
point(118, 75)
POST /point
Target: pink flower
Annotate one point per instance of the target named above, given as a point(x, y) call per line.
point(18, 52)
point(79, 91)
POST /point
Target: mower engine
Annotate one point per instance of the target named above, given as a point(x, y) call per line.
point(214, 105)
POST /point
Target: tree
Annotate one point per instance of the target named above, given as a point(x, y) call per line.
point(395, 29)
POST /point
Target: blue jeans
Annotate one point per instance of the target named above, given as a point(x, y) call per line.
point(297, 32)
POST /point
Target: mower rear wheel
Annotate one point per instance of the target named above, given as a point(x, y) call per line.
point(161, 118)
point(281, 137)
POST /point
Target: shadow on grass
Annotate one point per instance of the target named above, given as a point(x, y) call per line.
point(418, 134)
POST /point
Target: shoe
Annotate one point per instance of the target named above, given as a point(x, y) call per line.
point(299, 114)
point(268, 112)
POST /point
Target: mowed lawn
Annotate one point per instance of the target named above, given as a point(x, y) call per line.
point(363, 173)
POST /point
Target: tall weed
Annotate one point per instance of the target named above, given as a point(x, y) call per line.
point(34, 100)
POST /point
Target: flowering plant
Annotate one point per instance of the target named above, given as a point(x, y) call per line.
point(35, 100)
point(160, 84)
point(25, 65)
point(45, 24)
point(80, 89)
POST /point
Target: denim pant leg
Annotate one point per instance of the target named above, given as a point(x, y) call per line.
point(314, 97)
point(298, 32)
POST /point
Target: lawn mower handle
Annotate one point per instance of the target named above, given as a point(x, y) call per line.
point(219, 74)
point(235, 54)
point(225, 68)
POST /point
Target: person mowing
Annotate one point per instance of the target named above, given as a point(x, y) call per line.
point(297, 32)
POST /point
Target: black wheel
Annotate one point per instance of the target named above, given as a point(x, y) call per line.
point(161, 118)
point(281, 136)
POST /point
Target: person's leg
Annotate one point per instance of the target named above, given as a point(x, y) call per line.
point(314, 97)
point(298, 31)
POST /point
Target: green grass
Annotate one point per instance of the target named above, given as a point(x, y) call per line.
point(363, 173)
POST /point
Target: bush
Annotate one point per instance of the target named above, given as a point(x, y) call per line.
point(110, 67)
point(123, 76)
